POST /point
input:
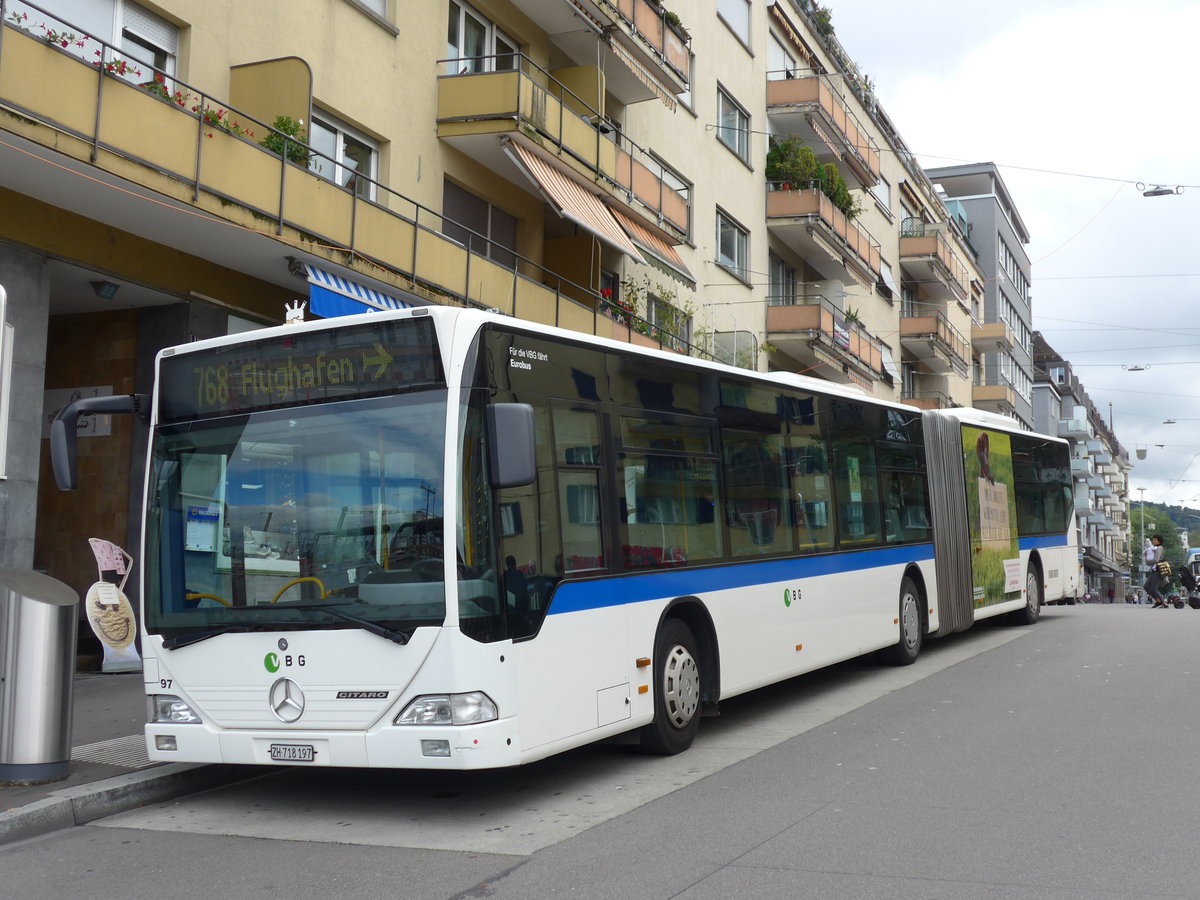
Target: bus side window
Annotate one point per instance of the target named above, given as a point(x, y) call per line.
point(858, 505)
point(577, 457)
point(756, 498)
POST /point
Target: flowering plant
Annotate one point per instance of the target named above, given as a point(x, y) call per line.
point(213, 116)
point(117, 66)
point(620, 310)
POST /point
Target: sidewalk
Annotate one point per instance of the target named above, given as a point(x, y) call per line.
point(109, 770)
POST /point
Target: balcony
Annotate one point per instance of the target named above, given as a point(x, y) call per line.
point(927, 399)
point(929, 258)
point(476, 108)
point(808, 106)
point(1078, 428)
point(119, 150)
point(816, 334)
point(998, 397)
point(643, 57)
point(992, 337)
point(937, 343)
point(808, 222)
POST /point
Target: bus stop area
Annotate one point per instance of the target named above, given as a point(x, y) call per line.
point(109, 771)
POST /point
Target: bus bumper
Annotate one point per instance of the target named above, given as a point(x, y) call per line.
point(485, 746)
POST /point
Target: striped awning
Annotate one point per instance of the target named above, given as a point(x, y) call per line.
point(652, 243)
point(640, 73)
point(571, 200)
point(331, 295)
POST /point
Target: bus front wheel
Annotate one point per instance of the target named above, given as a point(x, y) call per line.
point(906, 650)
point(676, 691)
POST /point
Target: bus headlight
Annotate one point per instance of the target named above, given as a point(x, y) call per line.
point(169, 709)
point(449, 709)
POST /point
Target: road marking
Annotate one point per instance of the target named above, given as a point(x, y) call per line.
point(520, 811)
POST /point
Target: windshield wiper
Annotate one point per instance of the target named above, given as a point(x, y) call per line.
point(174, 643)
point(182, 640)
point(391, 634)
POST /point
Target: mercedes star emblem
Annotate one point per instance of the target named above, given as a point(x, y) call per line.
point(287, 700)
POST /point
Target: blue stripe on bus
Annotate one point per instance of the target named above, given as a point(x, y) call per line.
point(605, 592)
point(1044, 542)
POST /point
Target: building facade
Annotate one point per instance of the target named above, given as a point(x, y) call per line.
point(1003, 377)
point(1100, 469)
point(715, 179)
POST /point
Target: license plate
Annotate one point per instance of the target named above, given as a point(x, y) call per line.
point(293, 752)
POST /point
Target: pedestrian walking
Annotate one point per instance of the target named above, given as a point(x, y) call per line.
point(1153, 553)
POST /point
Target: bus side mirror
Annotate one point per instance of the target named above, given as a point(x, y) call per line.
point(62, 431)
point(511, 444)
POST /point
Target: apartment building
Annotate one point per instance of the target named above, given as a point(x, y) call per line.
point(1004, 377)
point(177, 170)
point(1100, 469)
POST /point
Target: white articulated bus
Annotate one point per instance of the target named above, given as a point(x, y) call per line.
point(442, 538)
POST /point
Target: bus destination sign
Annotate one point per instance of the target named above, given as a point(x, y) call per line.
point(366, 360)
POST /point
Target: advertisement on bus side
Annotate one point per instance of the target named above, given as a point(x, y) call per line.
point(992, 516)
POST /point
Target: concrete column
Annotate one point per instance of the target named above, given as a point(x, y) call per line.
point(26, 279)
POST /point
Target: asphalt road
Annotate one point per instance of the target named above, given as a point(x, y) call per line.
point(1049, 762)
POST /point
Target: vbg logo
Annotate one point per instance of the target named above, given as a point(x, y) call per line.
point(273, 662)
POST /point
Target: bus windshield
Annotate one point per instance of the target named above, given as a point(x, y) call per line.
point(311, 517)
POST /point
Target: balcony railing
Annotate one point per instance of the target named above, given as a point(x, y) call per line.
point(935, 340)
point(527, 96)
point(806, 104)
point(817, 319)
point(191, 146)
point(929, 255)
point(928, 399)
point(999, 396)
point(650, 24)
point(790, 212)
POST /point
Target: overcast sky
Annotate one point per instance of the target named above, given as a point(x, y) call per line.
point(1076, 102)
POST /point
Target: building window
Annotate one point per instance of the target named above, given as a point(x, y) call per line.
point(736, 14)
point(148, 38)
point(733, 243)
point(343, 156)
point(887, 283)
point(475, 44)
point(479, 226)
point(733, 125)
point(908, 380)
point(379, 7)
point(782, 290)
point(675, 324)
point(882, 192)
point(781, 63)
point(685, 96)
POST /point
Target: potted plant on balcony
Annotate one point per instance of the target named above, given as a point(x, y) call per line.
point(791, 163)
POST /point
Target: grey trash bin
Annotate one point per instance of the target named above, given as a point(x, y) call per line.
point(38, 625)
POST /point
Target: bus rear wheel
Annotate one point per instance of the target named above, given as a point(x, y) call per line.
point(906, 650)
point(676, 691)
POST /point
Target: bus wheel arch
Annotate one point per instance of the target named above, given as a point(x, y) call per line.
point(912, 618)
point(685, 677)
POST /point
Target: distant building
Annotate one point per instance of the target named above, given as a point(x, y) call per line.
point(1100, 468)
point(1004, 375)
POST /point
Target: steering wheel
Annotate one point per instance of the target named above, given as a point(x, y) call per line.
point(317, 581)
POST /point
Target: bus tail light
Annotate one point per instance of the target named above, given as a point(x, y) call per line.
point(449, 709)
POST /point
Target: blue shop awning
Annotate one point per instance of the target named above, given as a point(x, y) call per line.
point(331, 295)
